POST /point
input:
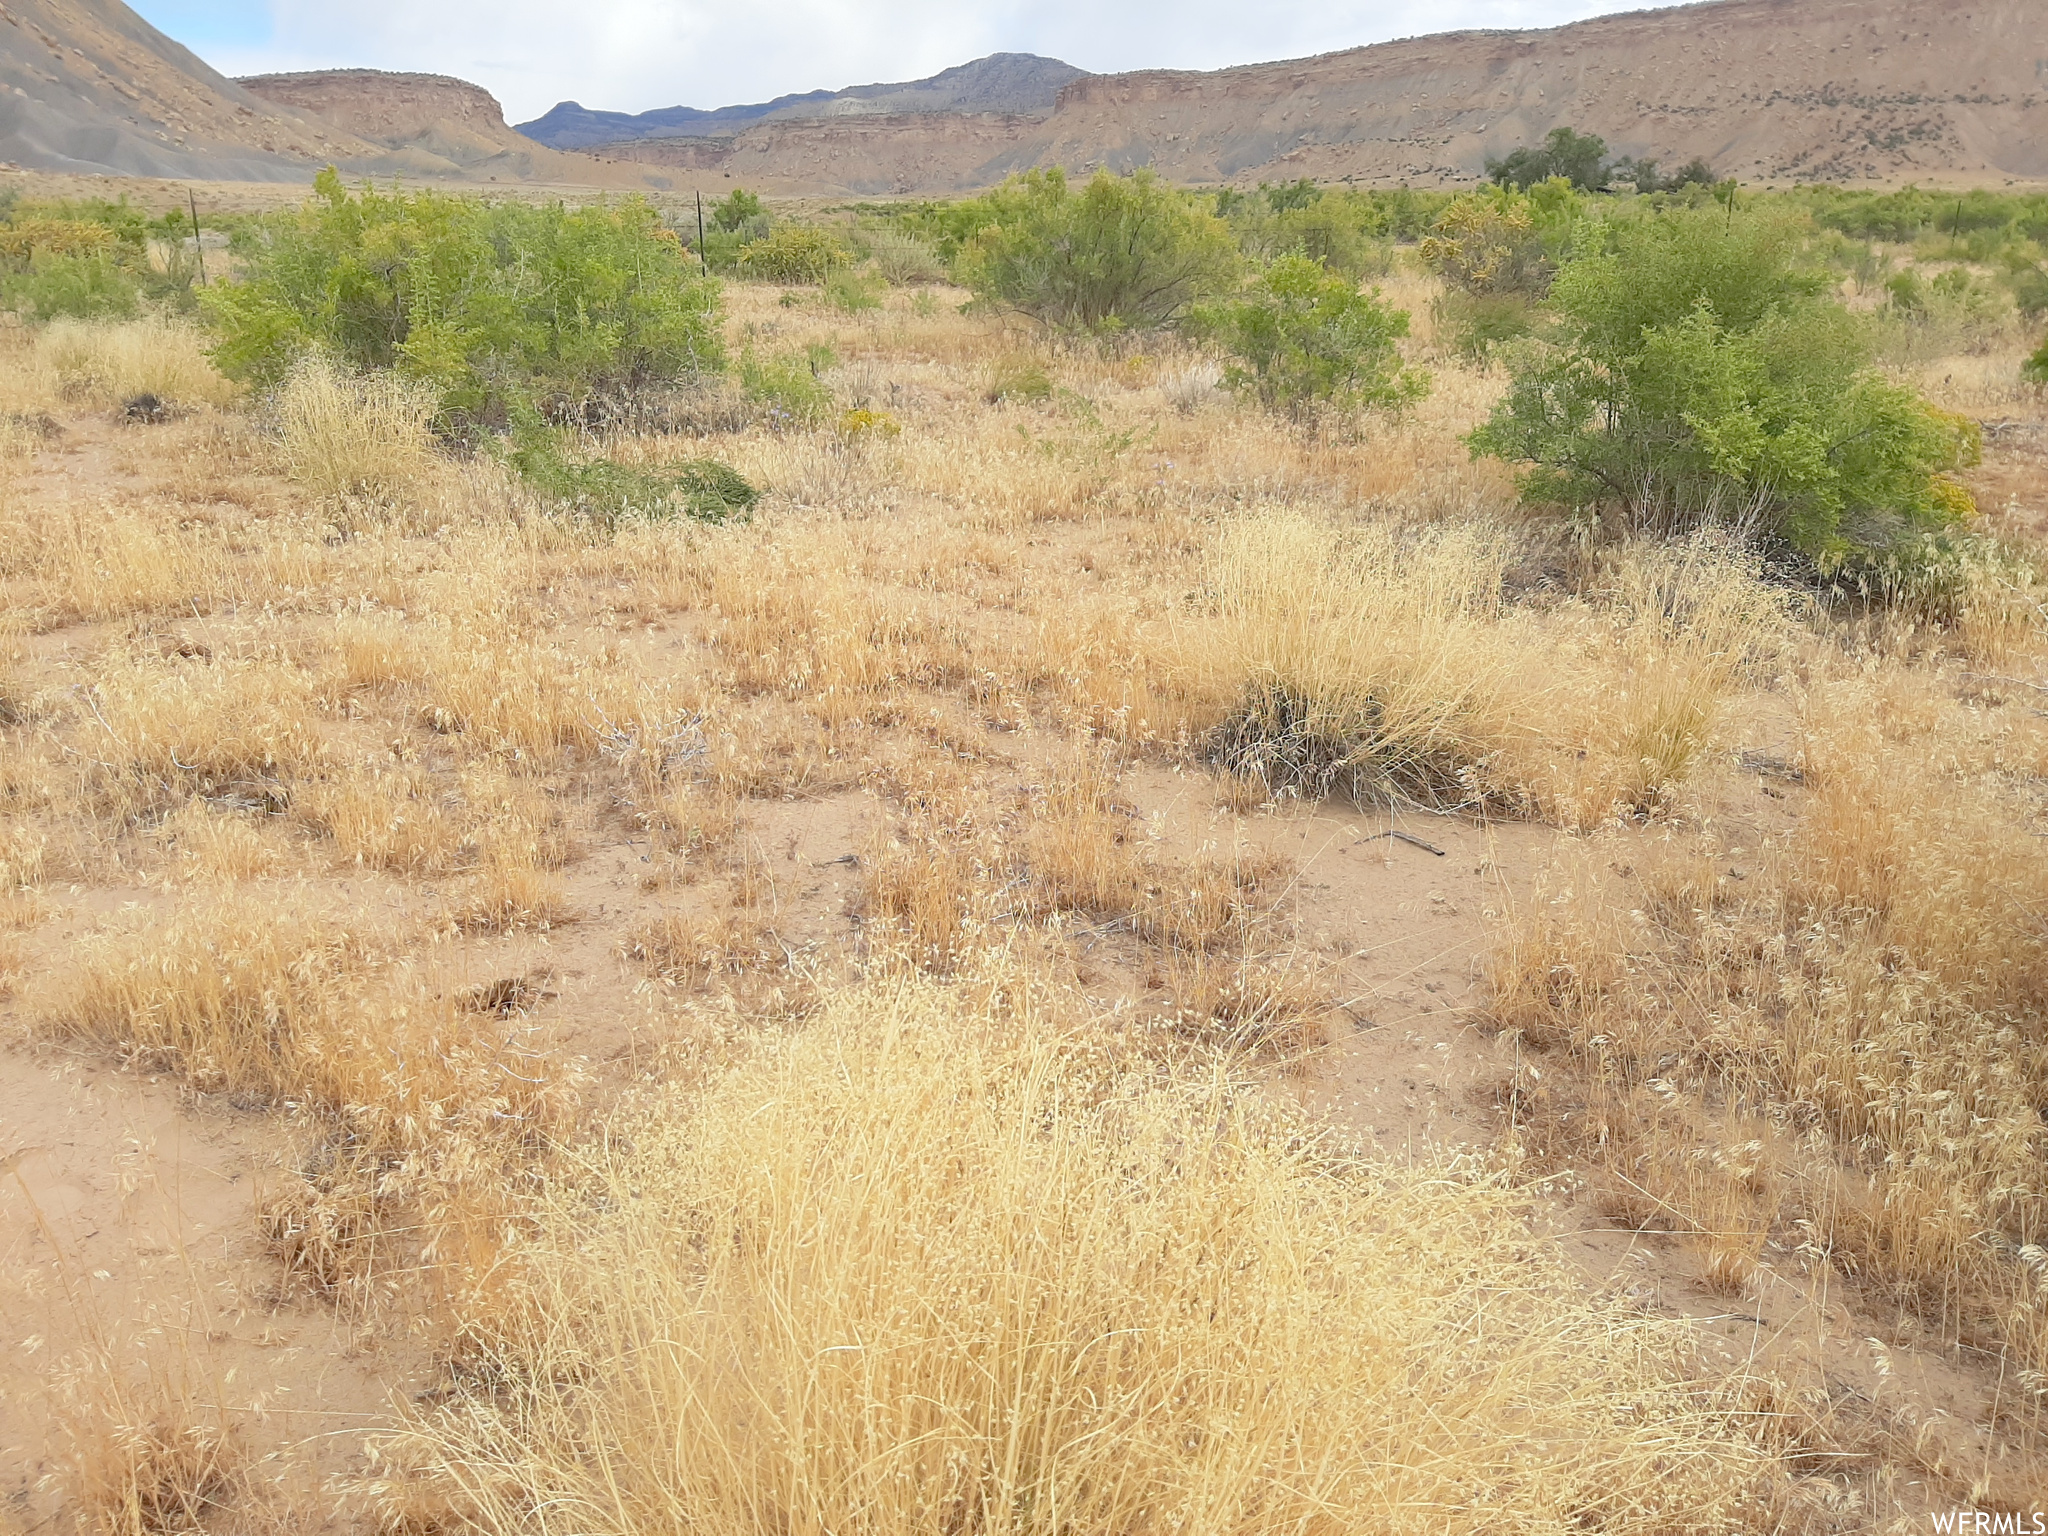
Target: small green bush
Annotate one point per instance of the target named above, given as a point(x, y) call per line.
point(2035, 368)
point(91, 259)
point(86, 286)
point(1955, 311)
point(794, 253)
point(789, 388)
point(1122, 253)
point(1702, 378)
point(738, 209)
point(1476, 325)
point(901, 258)
point(853, 290)
point(1305, 336)
point(1017, 376)
point(489, 303)
point(607, 494)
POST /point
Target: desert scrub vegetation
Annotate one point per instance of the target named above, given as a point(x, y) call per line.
point(952, 1266)
point(92, 258)
point(1306, 337)
point(781, 915)
point(1704, 380)
point(483, 301)
point(1120, 253)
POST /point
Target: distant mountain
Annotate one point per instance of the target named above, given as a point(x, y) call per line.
point(88, 86)
point(1018, 83)
point(432, 125)
point(1854, 91)
point(1772, 91)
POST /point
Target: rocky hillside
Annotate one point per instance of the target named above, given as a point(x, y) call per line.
point(1769, 90)
point(1022, 83)
point(432, 124)
point(1881, 91)
point(88, 85)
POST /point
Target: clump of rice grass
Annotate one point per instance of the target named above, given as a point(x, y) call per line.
point(354, 437)
point(103, 363)
point(933, 1264)
point(1393, 665)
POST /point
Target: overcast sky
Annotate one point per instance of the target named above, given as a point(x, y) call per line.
point(632, 55)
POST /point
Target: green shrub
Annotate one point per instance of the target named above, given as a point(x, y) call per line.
point(1122, 253)
point(1017, 376)
point(738, 209)
point(607, 493)
point(2028, 282)
point(1305, 336)
point(1955, 311)
point(2035, 368)
point(91, 259)
point(853, 289)
point(1577, 158)
point(789, 387)
point(487, 302)
point(902, 258)
point(1476, 325)
point(794, 253)
point(1345, 231)
point(1703, 379)
point(87, 286)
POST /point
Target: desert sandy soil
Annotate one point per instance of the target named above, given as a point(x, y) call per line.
point(917, 645)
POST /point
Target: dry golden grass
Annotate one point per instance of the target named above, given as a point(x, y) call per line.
point(144, 1453)
point(101, 364)
point(1875, 973)
point(1393, 664)
point(951, 1268)
point(360, 438)
point(112, 564)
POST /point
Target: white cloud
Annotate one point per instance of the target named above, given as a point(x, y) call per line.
point(632, 55)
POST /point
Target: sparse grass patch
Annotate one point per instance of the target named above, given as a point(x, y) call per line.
point(1877, 974)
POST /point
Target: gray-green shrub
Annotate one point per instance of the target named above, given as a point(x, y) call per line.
point(1121, 253)
point(1303, 336)
point(1702, 378)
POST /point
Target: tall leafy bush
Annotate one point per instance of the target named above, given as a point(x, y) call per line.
point(487, 302)
point(1121, 253)
point(1702, 378)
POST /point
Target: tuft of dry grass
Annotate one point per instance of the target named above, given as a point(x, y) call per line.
point(103, 363)
point(382, 816)
point(1393, 665)
point(354, 437)
point(145, 1457)
point(948, 1268)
